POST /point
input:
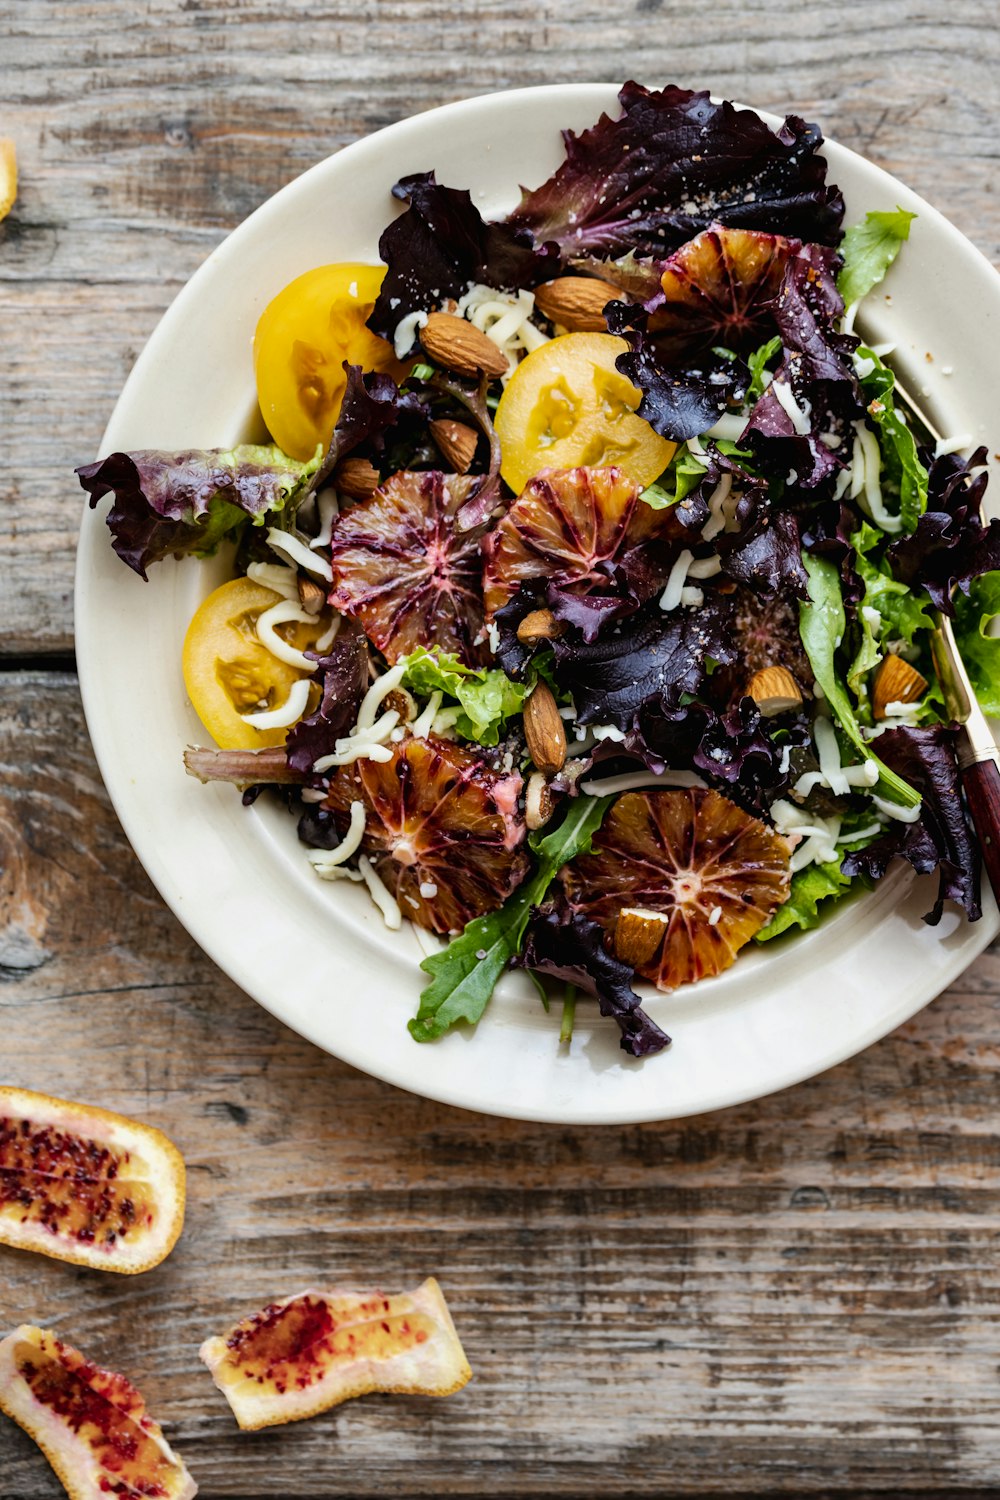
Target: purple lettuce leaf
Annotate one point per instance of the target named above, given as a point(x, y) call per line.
point(180, 503)
point(372, 405)
point(765, 553)
point(440, 245)
point(343, 678)
point(657, 658)
point(678, 402)
point(671, 165)
point(942, 838)
point(570, 947)
point(950, 546)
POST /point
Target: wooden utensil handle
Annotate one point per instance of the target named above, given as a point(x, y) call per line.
point(981, 781)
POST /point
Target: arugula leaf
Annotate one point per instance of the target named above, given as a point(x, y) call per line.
point(464, 975)
point(900, 460)
point(821, 626)
point(869, 249)
point(487, 697)
point(758, 362)
point(810, 887)
point(980, 651)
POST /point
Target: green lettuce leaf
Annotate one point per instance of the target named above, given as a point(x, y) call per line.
point(810, 887)
point(487, 698)
point(758, 362)
point(903, 475)
point(464, 975)
point(980, 651)
point(869, 249)
point(904, 611)
point(821, 626)
point(683, 474)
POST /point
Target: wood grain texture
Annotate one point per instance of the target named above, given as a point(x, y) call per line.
point(798, 1295)
point(146, 130)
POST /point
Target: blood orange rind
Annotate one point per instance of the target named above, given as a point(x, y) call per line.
point(443, 829)
point(297, 1358)
point(85, 1185)
point(564, 524)
point(91, 1424)
point(715, 872)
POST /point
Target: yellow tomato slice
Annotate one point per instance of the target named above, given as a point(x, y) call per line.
point(302, 340)
point(566, 405)
point(227, 672)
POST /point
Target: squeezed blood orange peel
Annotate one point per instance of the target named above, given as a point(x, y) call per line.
point(302, 1356)
point(85, 1185)
point(91, 1424)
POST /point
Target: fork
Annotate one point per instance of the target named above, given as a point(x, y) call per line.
point(978, 756)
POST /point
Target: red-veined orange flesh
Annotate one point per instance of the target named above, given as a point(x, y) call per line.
point(85, 1185)
point(91, 1424)
point(302, 1356)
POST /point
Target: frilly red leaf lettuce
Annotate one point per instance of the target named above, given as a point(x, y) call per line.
point(658, 658)
point(372, 405)
point(941, 839)
point(678, 401)
point(950, 545)
point(440, 245)
point(571, 947)
point(671, 165)
point(343, 678)
point(187, 502)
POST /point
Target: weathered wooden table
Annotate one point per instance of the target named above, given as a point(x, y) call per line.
point(802, 1295)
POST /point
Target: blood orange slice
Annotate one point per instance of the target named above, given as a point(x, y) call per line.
point(717, 289)
point(442, 830)
point(91, 1424)
point(714, 872)
point(563, 526)
point(405, 572)
point(84, 1185)
point(299, 1357)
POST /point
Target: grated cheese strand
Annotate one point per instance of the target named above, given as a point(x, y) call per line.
point(286, 713)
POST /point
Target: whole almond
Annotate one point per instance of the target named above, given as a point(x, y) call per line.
point(895, 682)
point(774, 690)
point(461, 347)
point(538, 802)
point(544, 730)
point(311, 596)
point(638, 934)
point(576, 302)
point(356, 478)
point(456, 442)
point(539, 625)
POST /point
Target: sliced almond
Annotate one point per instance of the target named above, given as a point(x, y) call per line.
point(311, 596)
point(356, 478)
point(576, 302)
point(638, 934)
point(539, 625)
point(544, 730)
point(775, 691)
point(456, 442)
point(403, 701)
point(539, 804)
point(896, 682)
point(460, 346)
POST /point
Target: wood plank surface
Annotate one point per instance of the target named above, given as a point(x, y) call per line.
point(148, 128)
point(799, 1294)
point(796, 1297)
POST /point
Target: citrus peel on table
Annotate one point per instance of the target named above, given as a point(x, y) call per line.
point(85, 1185)
point(297, 1358)
point(91, 1424)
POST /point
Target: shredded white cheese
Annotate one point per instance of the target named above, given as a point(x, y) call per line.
point(325, 860)
point(287, 612)
point(896, 810)
point(705, 567)
point(297, 552)
point(729, 426)
point(607, 732)
point(406, 332)
point(275, 576)
point(716, 503)
point(421, 726)
point(380, 894)
point(692, 598)
point(380, 688)
point(956, 444)
point(714, 915)
point(327, 509)
point(633, 781)
point(866, 482)
point(506, 319)
point(798, 414)
point(326, 640)
point(671, 596)
point(286, 713)
point(364, 744)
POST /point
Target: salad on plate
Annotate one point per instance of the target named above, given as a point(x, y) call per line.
point(581, 600)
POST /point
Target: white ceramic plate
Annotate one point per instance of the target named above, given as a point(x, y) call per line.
point(317, 955)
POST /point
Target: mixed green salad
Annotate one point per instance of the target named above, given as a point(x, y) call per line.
point(581, 602)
